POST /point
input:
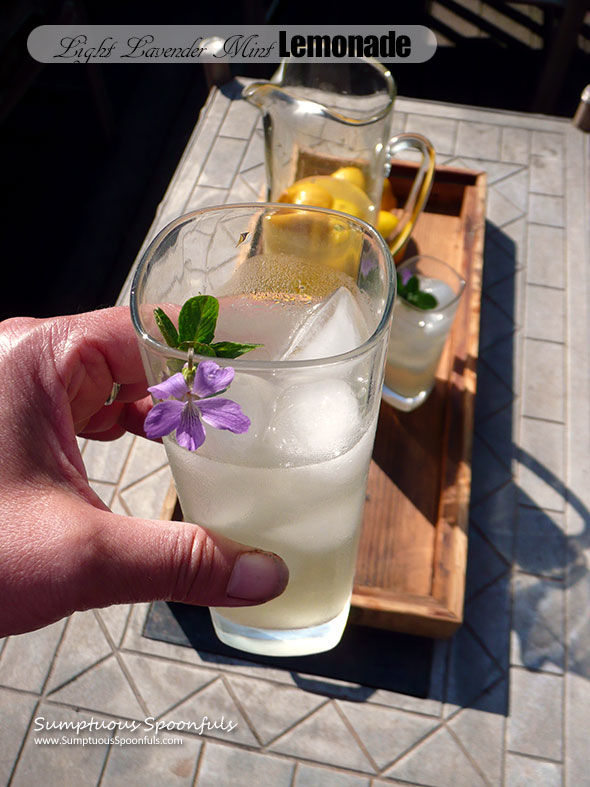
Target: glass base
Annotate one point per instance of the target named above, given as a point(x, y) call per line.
point(405, 403)
point(281, 642)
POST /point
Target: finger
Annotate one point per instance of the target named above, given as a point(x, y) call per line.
point(104, 436)
point(130, 560)
point(131, 419)
point(109, 332)
point(132, 392)
point(129, 416)
point(133, 415)
point(91, 352)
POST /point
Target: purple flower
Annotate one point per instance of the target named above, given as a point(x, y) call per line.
point(190, 404)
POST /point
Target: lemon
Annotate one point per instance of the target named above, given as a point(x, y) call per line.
point(346, 206)
point(388, 198)
point(321, 239)
point(301, 193)
point(352, 175)
point(327, 191)
point(386, 223)
point(343, 190)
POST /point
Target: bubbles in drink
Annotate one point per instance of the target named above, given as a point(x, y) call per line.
point(284, 277)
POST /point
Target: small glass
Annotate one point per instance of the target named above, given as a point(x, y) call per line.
point(316, 288)
point(419, 335)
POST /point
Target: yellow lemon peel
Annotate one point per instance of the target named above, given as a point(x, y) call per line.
point(388, 198)
point(307, 194)
point(353, 175)
point(386, 223)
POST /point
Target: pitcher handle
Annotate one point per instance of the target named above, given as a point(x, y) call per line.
point(421, 186)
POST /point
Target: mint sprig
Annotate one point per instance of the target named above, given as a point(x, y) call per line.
point(411, 292)
point(197, 319)
point(166, 327)
point(196, 328)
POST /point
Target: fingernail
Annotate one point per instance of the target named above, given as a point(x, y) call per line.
point(257, 576)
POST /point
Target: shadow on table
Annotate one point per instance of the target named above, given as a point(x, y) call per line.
point(507, 527)
point(554, 563)
point(471, 669)
point(365, 659)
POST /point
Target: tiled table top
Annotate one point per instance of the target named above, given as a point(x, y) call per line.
point(509, 700)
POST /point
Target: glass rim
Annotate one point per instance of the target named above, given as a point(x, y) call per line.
point(243, 363)
point(448, 305)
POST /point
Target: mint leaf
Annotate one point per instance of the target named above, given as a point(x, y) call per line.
point(199, 347)
point(422, 300)
point(426, 300)
point(166, 327)
point(196, 327)
point(412, 285)
point(411, 292)
point(197, 319)
point(204, 349)
point(232, 349)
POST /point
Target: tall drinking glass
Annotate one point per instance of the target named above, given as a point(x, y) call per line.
point(315, 289)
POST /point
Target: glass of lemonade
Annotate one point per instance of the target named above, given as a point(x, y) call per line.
point(315, 289)
point(418, 335)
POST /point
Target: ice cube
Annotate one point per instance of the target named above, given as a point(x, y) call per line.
point(258, 320)
point(333, 327)
point(314, 421)
point(436, 322)
point(440, 289)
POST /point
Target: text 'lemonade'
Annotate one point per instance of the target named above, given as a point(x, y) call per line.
point(295, 483)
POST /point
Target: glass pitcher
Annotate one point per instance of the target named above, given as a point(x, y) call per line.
point(326, 118)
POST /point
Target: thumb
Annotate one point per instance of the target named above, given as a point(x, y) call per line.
point(132, 560)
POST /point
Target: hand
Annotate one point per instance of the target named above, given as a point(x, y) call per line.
point(61, 549)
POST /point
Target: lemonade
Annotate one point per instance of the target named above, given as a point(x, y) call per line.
point(295, 483)
point(309, 514)
point(417, 341)
point(418, 335)
point(291, 479)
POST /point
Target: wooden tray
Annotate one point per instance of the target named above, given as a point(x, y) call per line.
point(411, 566)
